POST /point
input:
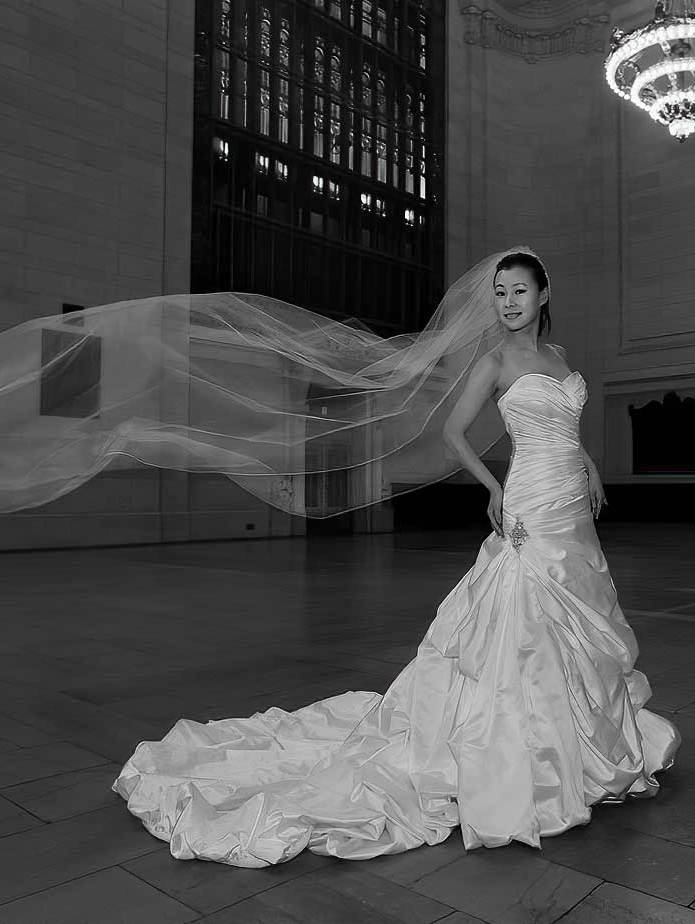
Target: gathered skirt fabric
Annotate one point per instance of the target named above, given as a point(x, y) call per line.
point(521, 710)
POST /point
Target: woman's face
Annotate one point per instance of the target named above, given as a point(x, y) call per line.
point(517, 299)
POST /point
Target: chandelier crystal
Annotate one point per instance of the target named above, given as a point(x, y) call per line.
point(654, 66)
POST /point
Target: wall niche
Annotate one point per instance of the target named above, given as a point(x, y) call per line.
point(662, 431)
point(648, 425)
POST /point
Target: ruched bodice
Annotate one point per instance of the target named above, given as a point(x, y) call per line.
point(520, 711)
point(546, 483)
point(542, 413)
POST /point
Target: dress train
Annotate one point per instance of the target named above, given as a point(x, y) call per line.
point(521, 710)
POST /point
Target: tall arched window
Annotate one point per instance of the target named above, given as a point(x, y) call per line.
point(336, 87)
point(367, 121)
point(382, 129)
point(284, 82)
point(318, 171)
point(264, 72)
point(319, 97)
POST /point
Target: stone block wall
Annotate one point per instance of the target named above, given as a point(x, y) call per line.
point(542, 152)
point(96, 131)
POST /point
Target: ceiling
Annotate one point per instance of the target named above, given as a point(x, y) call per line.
point(537, 6)
point(514, 4)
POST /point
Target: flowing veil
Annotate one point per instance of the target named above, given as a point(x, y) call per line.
point(313, 415)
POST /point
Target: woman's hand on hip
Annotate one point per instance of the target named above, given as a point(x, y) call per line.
point(494, 509)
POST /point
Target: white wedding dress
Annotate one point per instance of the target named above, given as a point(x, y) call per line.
point(521, 709)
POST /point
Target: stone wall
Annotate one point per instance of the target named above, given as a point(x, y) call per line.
point(542, 152)
point(96, 130)
point(95, 186)
point(96, 127)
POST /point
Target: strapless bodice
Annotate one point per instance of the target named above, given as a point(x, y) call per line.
point(546, 473)
point(539, 410)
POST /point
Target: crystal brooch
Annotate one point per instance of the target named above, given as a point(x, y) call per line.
point(518, 534)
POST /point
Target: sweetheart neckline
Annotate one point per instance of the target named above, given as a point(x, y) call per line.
point(543, 375)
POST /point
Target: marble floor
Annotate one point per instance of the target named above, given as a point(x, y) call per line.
point(104, 648)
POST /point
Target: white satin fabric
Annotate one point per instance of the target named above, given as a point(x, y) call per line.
point(521, 709)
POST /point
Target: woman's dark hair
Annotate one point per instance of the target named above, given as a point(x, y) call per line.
point(530, 262)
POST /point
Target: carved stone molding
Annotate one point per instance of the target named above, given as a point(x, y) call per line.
point(492, 29)
point(548, 9)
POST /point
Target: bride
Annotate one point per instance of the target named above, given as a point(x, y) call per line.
point(522, 708)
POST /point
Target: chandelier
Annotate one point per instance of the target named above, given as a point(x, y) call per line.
point(654, 66)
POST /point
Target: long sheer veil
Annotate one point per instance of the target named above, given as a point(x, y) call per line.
point(315, 416)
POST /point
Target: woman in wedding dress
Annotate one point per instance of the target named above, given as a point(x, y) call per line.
point(522, 708)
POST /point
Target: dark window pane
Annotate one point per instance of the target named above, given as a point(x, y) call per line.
point(314, 152)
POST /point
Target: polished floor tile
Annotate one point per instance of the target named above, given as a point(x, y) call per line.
point(56, 853)
point(119, 897)
point(207, 887)
point(64, 795)
point(13, 818)
point(613, 904)
point(23, 764)
point(508, 886)
point(406, 868)
point(109, 647)
point(342, 896)
point(609, 850)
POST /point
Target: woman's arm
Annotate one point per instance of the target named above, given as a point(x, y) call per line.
point(480, 386)
point(597, 496)
point(589, 463)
